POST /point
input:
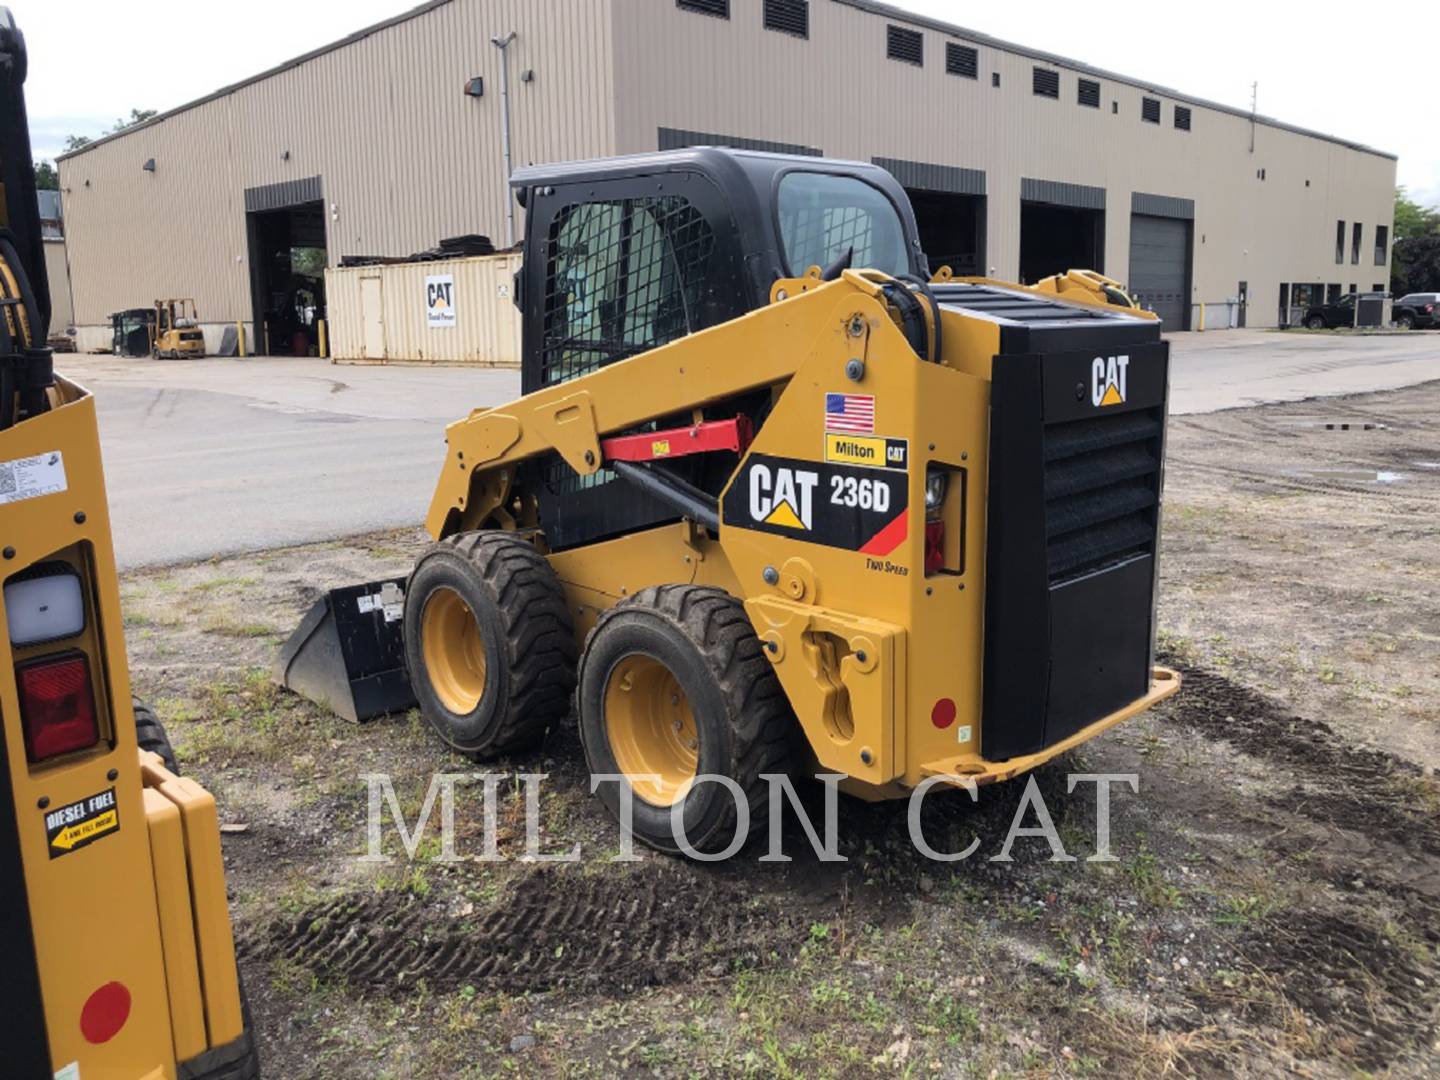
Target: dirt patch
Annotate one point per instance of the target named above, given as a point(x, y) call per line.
point(552, 930)
point(1364, 995)
point(1348, 786)
point(1273, 907)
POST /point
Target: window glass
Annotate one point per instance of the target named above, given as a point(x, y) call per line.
point(822, 217)
point(622, 276)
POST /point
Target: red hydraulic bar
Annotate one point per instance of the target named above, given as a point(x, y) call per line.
point(704, 438)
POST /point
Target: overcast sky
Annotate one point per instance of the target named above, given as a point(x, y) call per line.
point(1339, 68)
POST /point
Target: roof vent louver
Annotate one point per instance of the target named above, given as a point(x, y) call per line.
point(905, 45)
point(962, 60)
point(1046, 83)
point(788, 17)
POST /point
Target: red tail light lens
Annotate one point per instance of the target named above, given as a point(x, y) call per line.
point(1429, 308)
point(57, 706)
point(934, 546)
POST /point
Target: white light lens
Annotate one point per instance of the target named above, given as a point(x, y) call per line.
point(44, 608)
point(935, 483)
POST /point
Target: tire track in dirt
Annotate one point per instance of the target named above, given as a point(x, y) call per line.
point(613, 934)
point(1341, 960)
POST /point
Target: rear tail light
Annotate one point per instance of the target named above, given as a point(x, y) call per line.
point(934, 546)
point(1429, 308)
point(57, 706)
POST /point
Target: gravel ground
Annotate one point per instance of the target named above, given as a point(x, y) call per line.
point(1274, 907)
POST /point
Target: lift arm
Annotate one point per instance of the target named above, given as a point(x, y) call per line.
point(698, 370)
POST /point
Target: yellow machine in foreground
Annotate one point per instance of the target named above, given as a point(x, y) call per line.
point(177, 330)
point(768, 476)
point(119, 959)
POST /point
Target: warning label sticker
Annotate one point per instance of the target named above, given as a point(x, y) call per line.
point(874, 450)
point(31, 477)
point(70, 828)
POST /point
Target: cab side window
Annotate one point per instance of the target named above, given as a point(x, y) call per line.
point(622, 276)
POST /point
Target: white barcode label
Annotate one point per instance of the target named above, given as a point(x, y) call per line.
point(32, 477)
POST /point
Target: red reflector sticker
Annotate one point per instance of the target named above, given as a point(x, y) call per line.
point(943, 714)
point(57, 706)
point(105, 1013)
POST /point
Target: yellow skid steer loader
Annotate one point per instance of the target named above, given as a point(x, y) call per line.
point(769, 475)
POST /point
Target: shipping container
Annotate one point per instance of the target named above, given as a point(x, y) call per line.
point(450, 311)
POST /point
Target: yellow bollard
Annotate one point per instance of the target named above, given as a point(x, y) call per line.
point(324, 339)
point(240, 337)
point(1201, 327)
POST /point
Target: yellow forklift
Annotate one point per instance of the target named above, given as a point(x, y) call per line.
point(176, 330)
point(119, 956)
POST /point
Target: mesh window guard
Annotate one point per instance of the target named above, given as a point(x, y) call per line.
point(621, 277)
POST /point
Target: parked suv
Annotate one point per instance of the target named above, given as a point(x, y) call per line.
point(1329, 316)
point(1416, 310)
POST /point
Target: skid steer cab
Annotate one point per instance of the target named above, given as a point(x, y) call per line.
point(769, 478)
point(119, 958)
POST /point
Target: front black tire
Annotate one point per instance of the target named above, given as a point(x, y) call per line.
point(150, 734)
point(489, 643)
point(1315, 322)
point(704, 642)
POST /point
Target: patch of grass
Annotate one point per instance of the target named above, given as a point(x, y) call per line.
point(1149, 882)
point(1245, 910)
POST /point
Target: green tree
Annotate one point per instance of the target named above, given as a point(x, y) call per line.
point(45, 177)
point(137, 116)
point(1415, 258)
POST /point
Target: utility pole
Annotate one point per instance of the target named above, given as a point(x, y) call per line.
point(503, 44)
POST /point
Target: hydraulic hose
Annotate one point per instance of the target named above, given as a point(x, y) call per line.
point(924, 287)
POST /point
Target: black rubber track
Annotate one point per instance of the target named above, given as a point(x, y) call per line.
point(538, 633)
point(715, 624)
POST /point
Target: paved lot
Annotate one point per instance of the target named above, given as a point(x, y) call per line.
point(224, 456)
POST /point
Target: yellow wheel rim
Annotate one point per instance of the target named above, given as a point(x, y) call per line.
point(454, 651)
point(651, 729)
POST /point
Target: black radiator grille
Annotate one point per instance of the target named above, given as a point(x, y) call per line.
point(1101, 491)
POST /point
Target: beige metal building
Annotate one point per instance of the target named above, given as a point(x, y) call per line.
point(1019, 163)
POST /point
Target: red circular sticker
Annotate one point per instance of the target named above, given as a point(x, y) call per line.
point(943, 714)
point(105, 1013)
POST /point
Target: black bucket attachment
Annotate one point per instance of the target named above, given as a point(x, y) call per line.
point(348, 653)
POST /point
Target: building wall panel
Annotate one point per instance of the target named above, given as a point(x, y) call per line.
point(404, 156)
point(838, 91)
point(62, 311)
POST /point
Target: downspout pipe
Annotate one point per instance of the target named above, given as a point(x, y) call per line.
point(503, 44)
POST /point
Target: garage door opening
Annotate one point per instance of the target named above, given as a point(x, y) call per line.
point(1055, 238)
point(952, 229)
point(287, 269)
point(1160, 267)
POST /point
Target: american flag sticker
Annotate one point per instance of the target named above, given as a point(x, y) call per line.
point(853, 413)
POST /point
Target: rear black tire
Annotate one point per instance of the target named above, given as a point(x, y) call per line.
point(1405, 322)
point(522, 639)
point(742, 718)
point(150, 734)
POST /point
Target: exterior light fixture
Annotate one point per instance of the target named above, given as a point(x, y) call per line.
point(475, 87)
point(149, 166)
